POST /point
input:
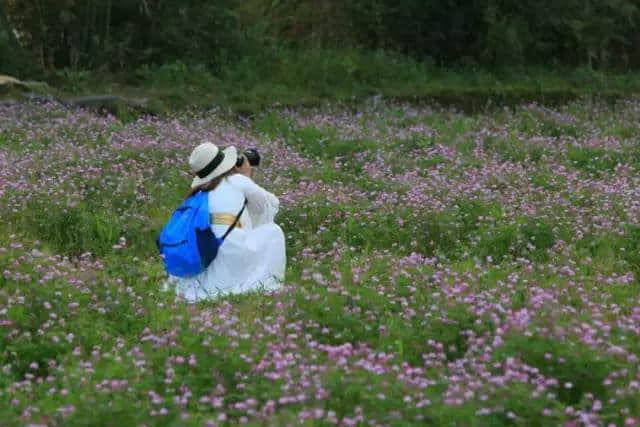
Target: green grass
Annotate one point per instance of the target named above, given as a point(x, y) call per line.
point(594, 160)
point(578, 365)
point(514, 151)
point(615, 248)
point(311, 77)
point(428, 282)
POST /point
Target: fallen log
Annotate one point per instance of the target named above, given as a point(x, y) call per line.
point(110, 103)
point(40, 92)
point(103, 101)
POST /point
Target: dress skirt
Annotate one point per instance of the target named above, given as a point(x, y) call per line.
point(252, 257)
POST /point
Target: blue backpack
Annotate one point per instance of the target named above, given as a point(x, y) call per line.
point(187, 243)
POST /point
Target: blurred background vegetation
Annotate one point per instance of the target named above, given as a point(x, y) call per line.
point(297, 49)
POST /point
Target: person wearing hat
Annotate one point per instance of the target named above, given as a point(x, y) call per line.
point(252, 256)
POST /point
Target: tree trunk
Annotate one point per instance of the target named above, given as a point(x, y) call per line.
point(5, 23)
point(92, 26)
point(37, 36)
point(107, 28)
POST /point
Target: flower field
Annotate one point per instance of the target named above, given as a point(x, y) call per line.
point(443, 268)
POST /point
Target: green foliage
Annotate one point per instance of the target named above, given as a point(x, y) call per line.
point(583, 368)
point(121, 34)
point(503, 34)
point(305, 76)
point(13, 61)
point(350, 320)
point(548, 181)
point(390, 299)
point(529, 239)
point(537, 124)
point(594, 160)
point(447, 233)
point(176, 74)
point(73, 230)
point(310, 140)
point(514, 151)
point(245, 41)
point(74, 81)
point(624, 246)
point(553, 128)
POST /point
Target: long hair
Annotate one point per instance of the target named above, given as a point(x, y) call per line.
point(211, 185)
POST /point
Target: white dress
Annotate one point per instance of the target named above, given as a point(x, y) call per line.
point(252, 257)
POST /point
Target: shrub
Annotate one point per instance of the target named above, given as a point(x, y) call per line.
point(530, 239)
point(74, 230)
point(582, 367)
point(594, 160)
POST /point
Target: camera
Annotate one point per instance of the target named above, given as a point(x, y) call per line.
point(252, 156)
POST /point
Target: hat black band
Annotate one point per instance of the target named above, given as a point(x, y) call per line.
point(212, 165)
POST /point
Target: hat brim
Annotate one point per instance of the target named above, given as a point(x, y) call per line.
point(230, 159)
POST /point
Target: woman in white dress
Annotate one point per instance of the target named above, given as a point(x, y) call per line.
point(252, 257)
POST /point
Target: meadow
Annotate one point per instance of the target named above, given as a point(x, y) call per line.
point(444, 268)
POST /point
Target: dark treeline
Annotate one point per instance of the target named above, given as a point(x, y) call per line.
point(38, 36)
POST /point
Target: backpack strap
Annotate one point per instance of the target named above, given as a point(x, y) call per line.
point(232, 226)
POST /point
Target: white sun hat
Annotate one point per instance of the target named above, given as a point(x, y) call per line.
point(207, 161)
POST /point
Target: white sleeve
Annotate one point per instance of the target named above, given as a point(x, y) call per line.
point(261, 204)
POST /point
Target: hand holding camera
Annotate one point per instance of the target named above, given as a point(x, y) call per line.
point(252, 160)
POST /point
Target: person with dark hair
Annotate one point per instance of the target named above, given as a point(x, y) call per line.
point(252, 256)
